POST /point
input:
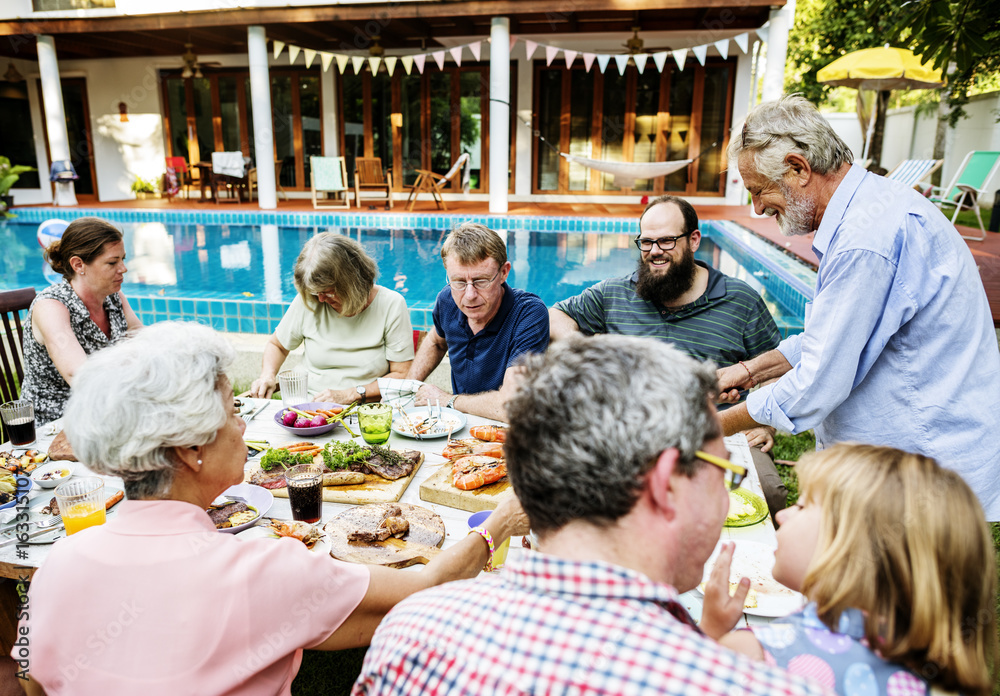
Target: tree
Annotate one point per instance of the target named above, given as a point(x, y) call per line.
point(825, 30)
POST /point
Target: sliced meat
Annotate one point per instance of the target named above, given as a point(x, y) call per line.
point(372, 525)
point(396, 526)
point(395, 469)
point(269, 479)
point(52, 508)
point(220, 515)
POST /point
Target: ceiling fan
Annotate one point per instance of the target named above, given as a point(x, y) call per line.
point(192, 68)
point(637, 45)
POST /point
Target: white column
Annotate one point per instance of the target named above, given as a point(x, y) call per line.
point(260, 94)
point(735, 193)
point(55, 114)
point(331, 129)
point(499, 112)
point(777, 50)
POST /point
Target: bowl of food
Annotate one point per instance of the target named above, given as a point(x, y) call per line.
point(51, 475)
point(240, 507)
point(309, 419)
point(11, 487)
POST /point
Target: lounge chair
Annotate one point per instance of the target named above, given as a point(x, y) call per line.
point(969, 183)
point(912, 171)
point(368, 177)
point(434, 184)
point(328, 180)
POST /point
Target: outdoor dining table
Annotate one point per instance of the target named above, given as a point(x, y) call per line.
point(21, 563)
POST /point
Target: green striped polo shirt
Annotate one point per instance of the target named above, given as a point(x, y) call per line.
point(729, 322)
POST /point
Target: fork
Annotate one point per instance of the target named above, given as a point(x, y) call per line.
point(49, 522)
point(250, 415)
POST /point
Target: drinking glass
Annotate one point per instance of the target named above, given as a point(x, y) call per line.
point(500, 552)
point(19, 421)
point(294, 388)
point(305, 492)
point(81, 503)
point(375, 421)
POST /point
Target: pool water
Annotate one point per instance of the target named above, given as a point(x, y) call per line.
point(238, 277)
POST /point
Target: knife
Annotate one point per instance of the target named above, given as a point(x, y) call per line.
point(31, 535)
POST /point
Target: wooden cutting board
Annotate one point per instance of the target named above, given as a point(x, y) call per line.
point(438, 489)
point(375, 489)
point(419, 545)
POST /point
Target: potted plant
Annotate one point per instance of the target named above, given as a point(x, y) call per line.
point(8, 177)
point(143, 188)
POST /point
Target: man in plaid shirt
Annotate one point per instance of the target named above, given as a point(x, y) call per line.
point(604, 449)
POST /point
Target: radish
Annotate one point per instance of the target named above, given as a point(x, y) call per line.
point(289, 418)
point(317, 421)
point(301, 422)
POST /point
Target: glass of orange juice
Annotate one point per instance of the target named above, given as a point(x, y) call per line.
point(81, 503)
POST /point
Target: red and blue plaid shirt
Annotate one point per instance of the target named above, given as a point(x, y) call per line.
point(553, 626)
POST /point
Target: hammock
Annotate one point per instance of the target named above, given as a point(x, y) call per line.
point(626, 173)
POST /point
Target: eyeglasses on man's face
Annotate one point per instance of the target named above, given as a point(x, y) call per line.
point(734, 473)
point(480, 284)
point(665, 243)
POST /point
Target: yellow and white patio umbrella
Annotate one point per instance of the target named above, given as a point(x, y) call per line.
point(880, 69)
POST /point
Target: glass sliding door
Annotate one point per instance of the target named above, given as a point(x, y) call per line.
point(312, 133)
point(411, 135)
point(353, 105)
point(647, 102)
point(471, 127)
point(549, 111)
point(613, 127)
point(713, 128)
point(581, 119)
point(440, 131)
point(229, 109)
point(678, 143)
point(284, 128)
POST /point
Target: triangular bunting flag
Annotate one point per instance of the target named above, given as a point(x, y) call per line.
point(513, 40)
point(660, 59)
point(390, 63)
point(680, 55)
point(529, 48)
point(293, 53)
point(700, 52)
point(325, 59)
point(419, 60)
point(550, 54)
point(476, 47)
point(723, 48)
point(342, 61)
point(456, 54)
point(621, 60)
point(764, 31)
point(407, 62)
point(357, 62)
point(743, 41)
point(640, 61)
point(277, 47)
point(570, 56)
point(439, 58)
point(310, 55)
point(588, 60)
point(373, 63)
point(602, 61)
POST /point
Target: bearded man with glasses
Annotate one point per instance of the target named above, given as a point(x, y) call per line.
point(678, 300)
point(482, 323)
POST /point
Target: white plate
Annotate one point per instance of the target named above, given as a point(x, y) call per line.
point(37, 474)
point(263, 531)
point(451, 421)
point(754, 560)
point(41, 500)
point(256, 497)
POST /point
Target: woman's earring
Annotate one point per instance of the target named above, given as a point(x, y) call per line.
point(199, 462)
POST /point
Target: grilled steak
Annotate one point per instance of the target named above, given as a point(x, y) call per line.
point(275, 478)
point(221, 515)
point(380, 525)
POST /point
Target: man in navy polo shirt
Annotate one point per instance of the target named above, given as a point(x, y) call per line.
point(676, 299)
point(482, 323)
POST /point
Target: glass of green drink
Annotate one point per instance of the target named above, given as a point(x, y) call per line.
point(375, 421)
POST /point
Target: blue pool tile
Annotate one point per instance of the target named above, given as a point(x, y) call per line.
point(231, 308)
point(260, 310)
point(246, 326)
point(218, 323)
point(261, 326)
point(217, 309)
point(246, 309)
point(160, 305)
point(275, 311)
point(201, 308)
point(174, 306)
point(187, 307)
point(233, 325)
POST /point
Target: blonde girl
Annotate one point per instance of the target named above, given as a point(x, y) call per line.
point(895, 557)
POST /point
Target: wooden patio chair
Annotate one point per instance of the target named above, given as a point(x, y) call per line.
point(12, 302)
point(434, 184)
point(969, 183)
point(368, 177)
point(912, 171)
point(328, 181)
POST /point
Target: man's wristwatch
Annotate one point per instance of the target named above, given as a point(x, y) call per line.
point(362, 391)
point(451, 401)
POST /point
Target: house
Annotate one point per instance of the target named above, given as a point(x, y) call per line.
point(116, 86)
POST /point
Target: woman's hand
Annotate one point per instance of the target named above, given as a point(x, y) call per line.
point(263, 387)
point(721, 611)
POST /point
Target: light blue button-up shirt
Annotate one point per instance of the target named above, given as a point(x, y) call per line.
point(899, 347)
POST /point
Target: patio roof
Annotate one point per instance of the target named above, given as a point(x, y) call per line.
point(337, 27)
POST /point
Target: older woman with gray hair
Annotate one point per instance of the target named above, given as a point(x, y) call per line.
point(157, 601)
point(353, 331)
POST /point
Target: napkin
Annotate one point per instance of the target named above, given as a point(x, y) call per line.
point(398, 392)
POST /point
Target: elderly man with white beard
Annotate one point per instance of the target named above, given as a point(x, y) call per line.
point(899, 347)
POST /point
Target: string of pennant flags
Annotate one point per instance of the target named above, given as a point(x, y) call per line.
point(419, 60)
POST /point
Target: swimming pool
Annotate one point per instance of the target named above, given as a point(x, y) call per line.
point(234, 271)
